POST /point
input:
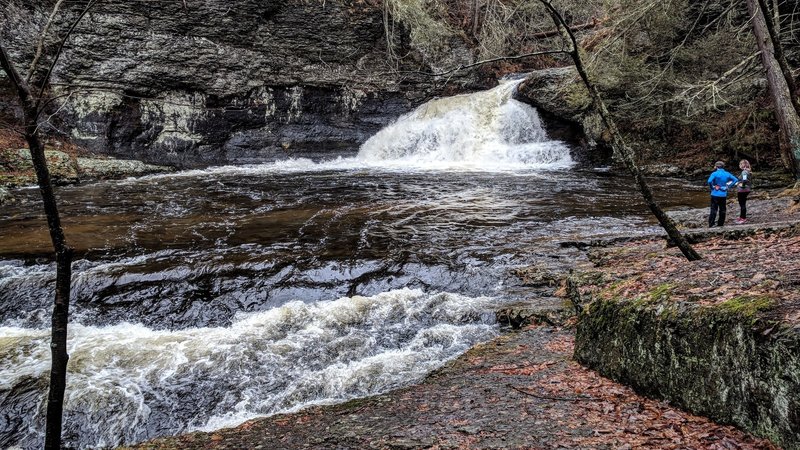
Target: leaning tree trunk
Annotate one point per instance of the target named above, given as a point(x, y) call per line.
point(771, 22)
point(58, 345)
point(785, 112)
point(618, 143)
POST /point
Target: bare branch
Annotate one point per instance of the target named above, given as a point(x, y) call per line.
point(583, 26)
point(713, 86)
point(57, 55)
point(42, 39)
point(548, 397)
point(487, 61)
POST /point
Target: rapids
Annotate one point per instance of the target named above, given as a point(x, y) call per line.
point(204, 298)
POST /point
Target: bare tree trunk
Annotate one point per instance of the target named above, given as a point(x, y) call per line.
point(58, 346)
point(476, 9)
point(774, 35)
point(618, 144)
point(785, 110)
point(32, 107)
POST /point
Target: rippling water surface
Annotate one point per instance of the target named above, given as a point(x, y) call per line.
point(204, 298)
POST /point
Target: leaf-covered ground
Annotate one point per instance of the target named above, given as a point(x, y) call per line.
point(753, 267)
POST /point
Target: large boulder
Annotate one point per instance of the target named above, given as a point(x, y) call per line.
point(720, 362)
point(559, 93)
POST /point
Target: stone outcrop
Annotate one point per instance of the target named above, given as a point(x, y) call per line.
point(560, 94)
point(210, 81)
point(728, 362)
point(16, 167)
point(96, 168)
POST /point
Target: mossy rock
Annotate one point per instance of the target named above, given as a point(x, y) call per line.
point(557, 91)
point(15, 160)
point(62, 167)
point(731, 362)
point(18, 168)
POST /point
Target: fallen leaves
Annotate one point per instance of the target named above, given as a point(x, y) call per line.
point(590, 411)
point(513, 369)
point(761, 265)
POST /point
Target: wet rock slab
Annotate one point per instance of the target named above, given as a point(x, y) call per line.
point(521, 390)
point(549, 310)
point(96, 168)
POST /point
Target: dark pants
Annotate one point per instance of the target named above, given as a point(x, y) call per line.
point(717, 203)
point(742, 196)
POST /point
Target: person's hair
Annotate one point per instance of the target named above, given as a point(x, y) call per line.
point(719, 164)
point(745, 165)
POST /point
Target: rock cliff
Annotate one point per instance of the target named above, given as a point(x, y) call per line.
point(209, 81)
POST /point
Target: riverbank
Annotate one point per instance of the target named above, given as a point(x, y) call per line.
point(68, 166)
point(719, 337)
point(521, 390)
point(66, 162)
point(525, 389)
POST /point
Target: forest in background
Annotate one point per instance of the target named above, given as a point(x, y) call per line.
point(683, 78)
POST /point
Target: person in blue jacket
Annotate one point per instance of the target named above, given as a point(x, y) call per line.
point(719, 182)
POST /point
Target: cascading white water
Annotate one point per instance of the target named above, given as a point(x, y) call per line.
point(487, 130)
point(128, 382)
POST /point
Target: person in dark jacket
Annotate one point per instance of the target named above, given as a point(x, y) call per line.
point(719, 182)
point(745, 186)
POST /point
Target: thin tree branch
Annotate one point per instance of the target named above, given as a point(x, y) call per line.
point(562, 399)
point(583, 26)
point(487, 61)
point(42, 40)
point(57, 55)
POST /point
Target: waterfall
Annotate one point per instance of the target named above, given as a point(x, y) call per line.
point(486, 130)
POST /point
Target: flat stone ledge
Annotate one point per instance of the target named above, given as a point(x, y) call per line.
point(542, 310)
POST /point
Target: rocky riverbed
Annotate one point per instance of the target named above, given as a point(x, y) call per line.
point(522, 390)
point(526, 390)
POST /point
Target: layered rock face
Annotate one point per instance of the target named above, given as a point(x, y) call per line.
point(210, 81)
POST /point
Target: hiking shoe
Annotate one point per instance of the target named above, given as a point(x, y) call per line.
point(741, 221)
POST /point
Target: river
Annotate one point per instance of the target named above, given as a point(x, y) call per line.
point(205, 298)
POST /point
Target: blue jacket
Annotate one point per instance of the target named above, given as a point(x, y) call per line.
point(721, 178)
